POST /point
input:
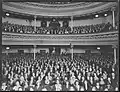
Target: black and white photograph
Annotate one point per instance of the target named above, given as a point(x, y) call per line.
point(60, 45)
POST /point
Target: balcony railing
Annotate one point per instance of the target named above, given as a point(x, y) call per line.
point(104, 35)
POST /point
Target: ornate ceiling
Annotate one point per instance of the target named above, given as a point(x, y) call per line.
point(60, 3)
point(67, 9)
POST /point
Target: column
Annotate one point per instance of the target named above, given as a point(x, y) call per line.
point(72, 51)
point(115, 54)
point(35, 23)
point(34, 51)
point(113, 16)
point(72, 23)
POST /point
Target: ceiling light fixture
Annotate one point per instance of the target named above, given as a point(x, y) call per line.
point(98, 48)
point(7, 14)
point(7, 48)
point(105, 14)
point(96, 16)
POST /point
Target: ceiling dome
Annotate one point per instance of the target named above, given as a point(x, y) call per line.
point(57, 9)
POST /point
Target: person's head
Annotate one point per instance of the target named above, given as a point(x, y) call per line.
point(21, 73)
point(77, 83)
point(17, 83)
point(83, 78)
point(93, 65)
point(93, 88)
point(9, 75)
point(108, 86)
point(65, 78)
point(113, 75)
point(82, 88)
point(105, 89)
point(109, 79)
point(97, 85)
point(31, 89)
point(101, 79)
point(20, 89)
point(33, 74)
point(113, 69)
point(31, 77)
point(116, 89)
point(57, 82)
point(72, 88)
point(97, 67)
point(44, 89)
point(39, 78)
point(100, 69)
point(3, 84)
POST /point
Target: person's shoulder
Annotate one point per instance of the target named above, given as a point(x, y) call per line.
point(39, 89)
point(35, 88)
point(53, 87)
point(65, 89)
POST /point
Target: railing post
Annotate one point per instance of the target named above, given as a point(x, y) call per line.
point(72, 23)
point(115, 55)
point(113, 16)
point(35, 23)
point(72, 51)
point(34, 51)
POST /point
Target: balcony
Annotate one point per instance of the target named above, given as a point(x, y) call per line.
point(104, 38)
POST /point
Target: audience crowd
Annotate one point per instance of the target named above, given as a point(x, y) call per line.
point(50, 72)
point(16, 28)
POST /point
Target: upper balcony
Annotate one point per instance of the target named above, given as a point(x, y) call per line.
point(76, 31)
point(99, 34)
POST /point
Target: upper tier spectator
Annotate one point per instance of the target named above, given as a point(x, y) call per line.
point(16, 28)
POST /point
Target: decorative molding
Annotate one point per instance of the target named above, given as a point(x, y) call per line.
point(88, 37)
point(58, 10)
point(106, 38)
point(71, 5)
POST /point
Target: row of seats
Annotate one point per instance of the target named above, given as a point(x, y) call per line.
point(50, 72)
point(16, 28)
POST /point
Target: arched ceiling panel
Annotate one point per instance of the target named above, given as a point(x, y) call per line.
point(58, 10)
